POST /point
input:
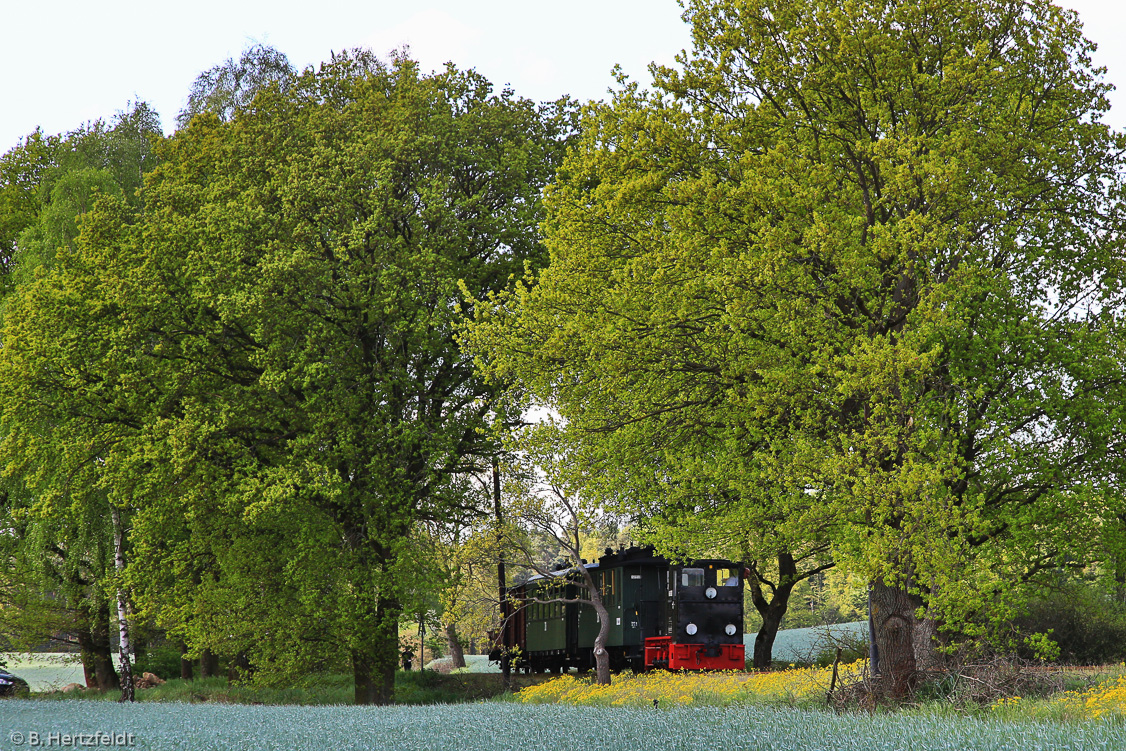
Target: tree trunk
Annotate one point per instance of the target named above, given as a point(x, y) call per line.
point(773, 610)
point(84, 627)
point(893, 620)
point(601, 656)
point(374, 665)
point(93, 640)
point(125, 651)
point(873, 650)
point(105, 674)
point(363, 677)
point(88, 674)
point(764, 639)
point(925, 639)
point(239, 669)
point(185, 663)
point(208, 664)
point(457, 655)
point(505, 659)
point(387, 651)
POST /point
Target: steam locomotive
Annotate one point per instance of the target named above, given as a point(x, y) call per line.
point(677, 616)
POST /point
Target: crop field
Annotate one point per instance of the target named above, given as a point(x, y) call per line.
point(804, 644)
point(44, 672)
point(501, 726)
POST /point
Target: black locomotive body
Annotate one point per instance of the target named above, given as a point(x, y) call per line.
point(662, 614)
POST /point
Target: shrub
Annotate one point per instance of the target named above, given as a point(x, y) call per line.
point(1085, 622)
point(160, 658)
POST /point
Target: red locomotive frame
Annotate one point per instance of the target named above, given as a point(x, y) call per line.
point(660, 652)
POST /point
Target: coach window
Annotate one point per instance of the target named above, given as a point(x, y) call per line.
point(608, 581)
point(692, 577)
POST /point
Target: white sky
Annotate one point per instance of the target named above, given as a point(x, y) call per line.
point(68, 61)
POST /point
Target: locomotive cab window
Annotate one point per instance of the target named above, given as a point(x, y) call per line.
point(727, 577)
point(692, 577)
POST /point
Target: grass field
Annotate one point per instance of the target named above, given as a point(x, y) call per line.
point(319, 689)
point(502, 726)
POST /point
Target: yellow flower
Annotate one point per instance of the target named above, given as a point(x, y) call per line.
point(722, 688)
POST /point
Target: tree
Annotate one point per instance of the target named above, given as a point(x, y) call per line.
point(69, 413)
point(231, 86)
point(54, 585)
point(63, 527)
point(627, 335)
point(463, 553)
point(52, 588)
point(285, 308)
point(542, 503)
point(853, 268)
point(38, 215)
point(21, 172)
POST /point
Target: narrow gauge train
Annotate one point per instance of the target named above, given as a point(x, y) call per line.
point(662, 615)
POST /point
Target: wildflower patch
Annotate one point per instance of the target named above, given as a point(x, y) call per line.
point(668, 689)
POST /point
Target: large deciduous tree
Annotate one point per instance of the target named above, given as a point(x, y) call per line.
point(282, 318)
point(852, 273)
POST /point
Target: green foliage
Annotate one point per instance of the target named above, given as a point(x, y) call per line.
point(21, 171)
point(832, 597)
point(260, 365)
point(465, 560)
point(29, 613)
point(851, 276)
point(1043, 647)
point(160, 657)
point(48, 182)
